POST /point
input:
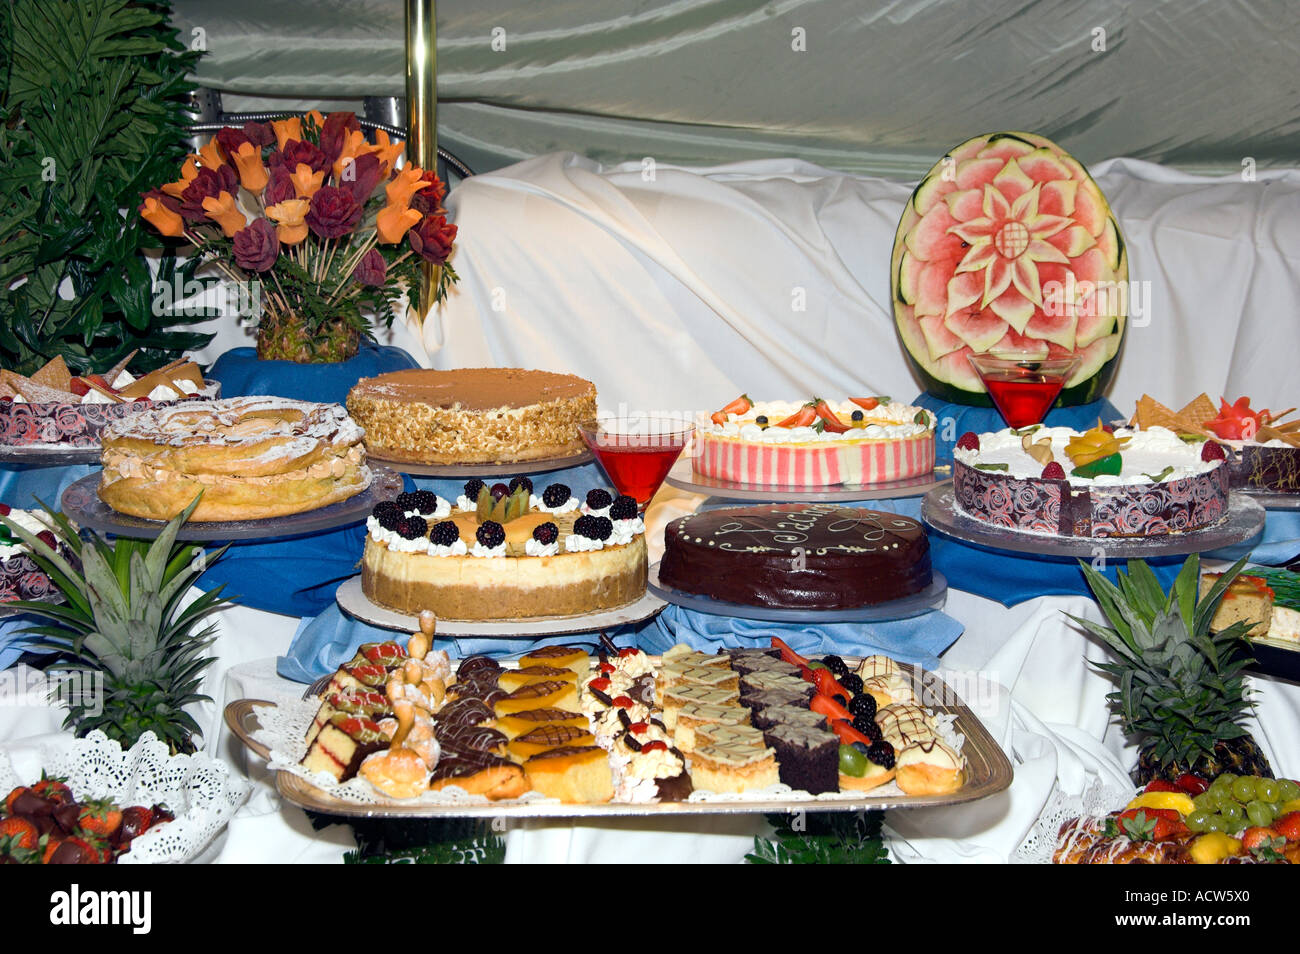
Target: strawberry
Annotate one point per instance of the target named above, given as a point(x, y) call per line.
point(1253, 839)
point(98, 380)
point(1160, 785)
point(827, 685)
point(5, 510)
point(47, 538)
point(826, 706)
point(830, 420)
point(1053, 471)
point(17, 834)
point(1211, 450)
point(54, 789)
point(136, 820)
point(803, 417)
point(1192, 784)
point(51, 846)
point(77, 851)
point(1288, 826)
point(867, 404)
point(847, 734)
point(13, 796)
point(101, 819)
point(739, 406)
point(788, 654)
point(79, 387)
point(968, 441)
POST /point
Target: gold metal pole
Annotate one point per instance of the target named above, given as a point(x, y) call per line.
point(422, 104)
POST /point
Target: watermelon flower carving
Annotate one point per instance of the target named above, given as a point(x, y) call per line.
point(1008, 245)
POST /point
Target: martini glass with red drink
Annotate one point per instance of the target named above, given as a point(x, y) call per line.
point(1023, 386)
point(635, 452)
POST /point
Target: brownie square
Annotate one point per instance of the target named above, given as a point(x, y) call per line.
point(759, 699)
point(807, 758)
point(787, 715)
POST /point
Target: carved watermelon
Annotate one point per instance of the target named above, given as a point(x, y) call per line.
point(1009, 245)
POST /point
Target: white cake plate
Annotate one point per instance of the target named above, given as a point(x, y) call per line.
point(684, 477)
point(356, 604)
point(83, 507)
point(1245, 519)
point(918, 604)
point(510, 469)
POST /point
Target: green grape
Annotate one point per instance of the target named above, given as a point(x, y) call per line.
point(1268, 790)
point(1231, 814)
point(1289, 789)
point(1260, 813)
point(1243, 789)
point(1206, 802)
point(1198, 821)
point(1223, 781)
point(1215, 823)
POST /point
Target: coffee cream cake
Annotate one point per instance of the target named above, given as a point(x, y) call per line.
point(509, 555)
point(472, 415)
point(250, 457)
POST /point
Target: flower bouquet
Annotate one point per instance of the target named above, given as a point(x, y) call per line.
point(322, 224)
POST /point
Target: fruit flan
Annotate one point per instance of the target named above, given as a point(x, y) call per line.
point(505, 554)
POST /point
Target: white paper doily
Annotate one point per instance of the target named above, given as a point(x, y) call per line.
point(200, 791)
point(1097, 800)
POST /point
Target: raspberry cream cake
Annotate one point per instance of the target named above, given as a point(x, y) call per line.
point(815, 443)
point(507, 554)
point(1099, 483)
point(797, 556)
point(472, 415)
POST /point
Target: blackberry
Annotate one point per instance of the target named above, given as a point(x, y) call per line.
point(852, 682)
point(882, 754)
point(412, 528)
point(521, 482)
point(624, 508)
point(836, 665)
point(388, 514)
point(864, 724)
point(490, 534)
point(444, 533)
point(426, 501)
point(856, 416)
point(472, 487)
point(841, 698)
point(593, 528)
point(598, 499)
point(556, 495)
point(406, 500)
point(546, 533)
point(863, 704)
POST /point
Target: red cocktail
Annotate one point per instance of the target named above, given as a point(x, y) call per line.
point(1023, 387)
point(636, 452)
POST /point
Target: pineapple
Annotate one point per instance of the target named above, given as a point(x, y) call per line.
point(122, 619)
point(293, 339)
point(1181, 688)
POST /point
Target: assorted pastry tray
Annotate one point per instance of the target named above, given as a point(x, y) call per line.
point(683, 476)
point(83, 506)
point(353, 601)
point(492, 756)
point(1245, 519)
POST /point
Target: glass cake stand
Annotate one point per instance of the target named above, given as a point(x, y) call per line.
point(683, 477)
point(355, 603)
point(513, 468)
point(1244, 520)
point(83, 507)
point(918, 604)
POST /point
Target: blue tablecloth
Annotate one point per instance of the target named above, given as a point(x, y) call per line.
point(240, 372)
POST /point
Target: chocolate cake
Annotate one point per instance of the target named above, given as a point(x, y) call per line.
point(807, 757)
point(769, 716)
point(797, 556)
point(1261, 467)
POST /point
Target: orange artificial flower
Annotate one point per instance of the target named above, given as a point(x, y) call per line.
point(407, 182)
point(289, 216)
point(286, 129)
point(305, 182)
point(388, 151)
point(162, 218)
point(252, 174)
point(189, 172)
point(316, 117)
point(211, 155)
point(393, 222)
point(223, 211)
point(354, 146)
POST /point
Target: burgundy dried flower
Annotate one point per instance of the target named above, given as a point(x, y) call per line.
point(280, 187)
point(170, 202)
point(209, 183)
point(256, 246)
point(296, 153)
point(432, 239)
point(334, 212)
point(260, 134)
point(429, 199)
point(230, 139)
point(372, 269)
point(334, 131)
point(361, 175)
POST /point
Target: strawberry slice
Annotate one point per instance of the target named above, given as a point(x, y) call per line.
point(848, 735)
point(830, 420)
point(827, 685)
point(803, 417)
point(738, 406)
point(1160, 785)
point(788, 654)
point(826, 706)
point(79, 387)
point(867, 404)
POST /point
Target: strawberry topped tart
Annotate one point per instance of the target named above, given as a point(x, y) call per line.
point(816, 443)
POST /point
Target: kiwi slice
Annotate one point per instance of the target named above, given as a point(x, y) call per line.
point(484, 504)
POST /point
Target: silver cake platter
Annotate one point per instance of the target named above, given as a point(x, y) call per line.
point(918, 604)
point(49, 455)
point(510, 469)
point(83, 507)
point(1272, 499)
point(356, 604)
point(683, 477)
point(1245, 519)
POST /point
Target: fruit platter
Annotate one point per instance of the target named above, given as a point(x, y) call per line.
point(403, 731)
